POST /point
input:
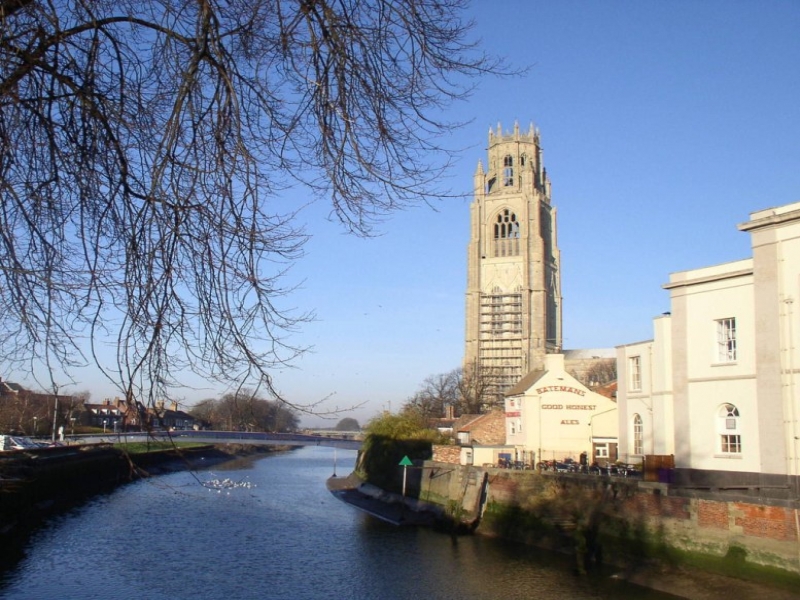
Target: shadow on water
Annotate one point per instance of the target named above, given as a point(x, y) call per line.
point(286, 537)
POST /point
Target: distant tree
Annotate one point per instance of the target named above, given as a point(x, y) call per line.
point(348, 424)
point(466, 390)
point(476, 389)
point(434, 395)
point(396, 426)
point(601, 371)
point(205, 411)
point(143, 146)
point(245, 411)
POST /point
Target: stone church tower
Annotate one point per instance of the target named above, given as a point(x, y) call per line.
point(513, 313)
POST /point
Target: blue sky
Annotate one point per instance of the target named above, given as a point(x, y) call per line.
point(664, 124)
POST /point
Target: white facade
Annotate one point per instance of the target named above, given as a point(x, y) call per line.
point(718, 385)
point(644, 380)
point(550, 415)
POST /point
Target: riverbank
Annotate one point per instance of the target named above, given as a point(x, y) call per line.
point(689, 577)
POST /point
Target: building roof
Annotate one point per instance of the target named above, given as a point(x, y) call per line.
point(7, 387)
point(589, 353)
point(463, 422)
point(526, 382)
point(486, 429)
point(609, 390)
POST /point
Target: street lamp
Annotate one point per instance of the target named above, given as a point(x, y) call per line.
point(105, 421)
point(35, 428)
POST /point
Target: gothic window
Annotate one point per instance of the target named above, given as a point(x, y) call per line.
point(638, 435)
point(508, 170)
point(728, 430)
point(506, 234)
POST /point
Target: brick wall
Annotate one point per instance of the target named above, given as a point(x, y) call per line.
point(712, 514)
point(447, 454)
point(488, 429)
point(771, 522)
point(767, 533)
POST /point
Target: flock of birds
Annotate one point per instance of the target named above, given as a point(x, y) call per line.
point(227, 484)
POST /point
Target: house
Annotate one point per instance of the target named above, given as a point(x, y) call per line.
point(719, 384)
point(550, 415)
point(111, 415)
point(482, 438)
point(172, 418)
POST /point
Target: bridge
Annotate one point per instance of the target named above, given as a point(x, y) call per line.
point(224, 437)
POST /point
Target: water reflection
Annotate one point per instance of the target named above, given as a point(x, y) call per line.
point(283, 536)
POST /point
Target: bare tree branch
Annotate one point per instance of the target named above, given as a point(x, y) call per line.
point(143, 148)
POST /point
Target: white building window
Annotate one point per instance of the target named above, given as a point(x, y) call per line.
point(728, 430)
point(726, 340)
point(635, 369)
point(638, 435)
point(601, 451)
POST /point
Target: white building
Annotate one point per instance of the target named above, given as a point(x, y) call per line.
point(550, 415)
point(718, 384)
point(645, 384)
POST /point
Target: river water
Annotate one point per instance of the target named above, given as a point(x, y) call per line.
point(269, 529)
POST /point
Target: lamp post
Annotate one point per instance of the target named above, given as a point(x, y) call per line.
point(35, 426)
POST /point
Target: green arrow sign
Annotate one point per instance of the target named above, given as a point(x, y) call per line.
point(406, 462)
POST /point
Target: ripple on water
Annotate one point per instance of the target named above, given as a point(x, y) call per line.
point(272, 531)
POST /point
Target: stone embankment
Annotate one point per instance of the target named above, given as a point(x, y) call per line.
point(652, 533)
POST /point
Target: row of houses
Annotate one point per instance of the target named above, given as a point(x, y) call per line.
point(27, 412)
point(717, 387)
point(118, 415)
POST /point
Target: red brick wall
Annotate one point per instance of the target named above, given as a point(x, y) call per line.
point(489, 429)
point(712, 514)
point(447, 454)
point(657, 505)
point(771, 522)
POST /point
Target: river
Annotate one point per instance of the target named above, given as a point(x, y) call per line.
point(267, 528)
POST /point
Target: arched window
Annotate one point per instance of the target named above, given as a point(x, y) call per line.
point(506, 234)
point(728, 430)
point(508, 170)
point(638, 435)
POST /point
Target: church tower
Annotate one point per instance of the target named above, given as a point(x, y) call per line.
point(513, 312)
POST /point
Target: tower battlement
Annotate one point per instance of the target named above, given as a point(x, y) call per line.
point(498, 137)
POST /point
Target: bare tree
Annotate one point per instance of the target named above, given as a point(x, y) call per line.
point(245, 411)
point(143, 148)
point(601, 372)
point(435, 394)
point(477, 388)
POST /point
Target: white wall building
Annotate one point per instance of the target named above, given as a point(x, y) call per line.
point(645, 382)
point(718, 385)
point(550, 415)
